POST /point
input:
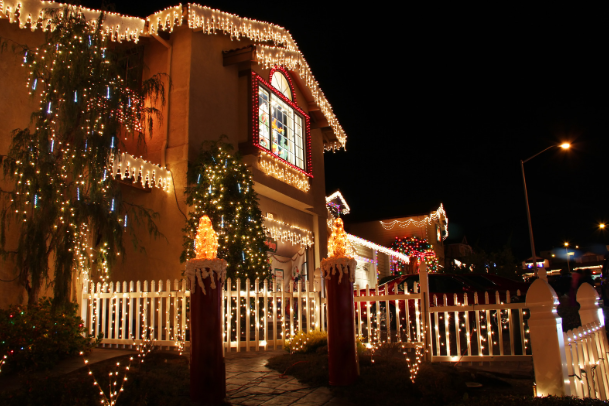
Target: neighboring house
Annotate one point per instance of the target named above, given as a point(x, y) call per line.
point(431, 228)
point(458, 253)
point(259, 92)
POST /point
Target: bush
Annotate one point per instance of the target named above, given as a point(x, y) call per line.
point(38, 336)
point(303, 343)
point(315, 341)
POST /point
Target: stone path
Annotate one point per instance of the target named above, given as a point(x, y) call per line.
point(249, 382)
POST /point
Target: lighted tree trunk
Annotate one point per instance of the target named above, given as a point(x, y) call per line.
point(343, 364)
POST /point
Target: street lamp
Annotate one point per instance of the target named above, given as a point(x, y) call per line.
point(564, 145)
point(602, 226)
point(567, 251)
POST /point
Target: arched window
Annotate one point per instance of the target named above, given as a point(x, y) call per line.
point(280, 82)
point(282, 127)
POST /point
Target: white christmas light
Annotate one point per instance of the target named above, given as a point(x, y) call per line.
point(434, 216)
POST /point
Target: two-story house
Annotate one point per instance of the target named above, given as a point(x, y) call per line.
point(226, 75)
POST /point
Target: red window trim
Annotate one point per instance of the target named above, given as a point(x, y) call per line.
point(256, 81)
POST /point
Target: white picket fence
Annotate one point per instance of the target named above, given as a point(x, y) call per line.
point(586, 351)
point(261, 316)
point(483, 332)
point(384, 317)
point(125, 312)
point(257, 316)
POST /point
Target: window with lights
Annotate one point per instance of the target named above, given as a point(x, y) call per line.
point(280, 127)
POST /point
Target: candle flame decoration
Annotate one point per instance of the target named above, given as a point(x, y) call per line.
point(338, 244)
point(206, 241)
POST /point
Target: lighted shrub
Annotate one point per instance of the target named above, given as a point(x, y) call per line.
point(303, 343)
point(37, 337)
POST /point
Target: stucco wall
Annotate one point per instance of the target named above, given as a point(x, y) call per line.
point(16, 107)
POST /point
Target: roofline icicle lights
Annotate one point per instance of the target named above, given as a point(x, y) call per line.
point(278, 230)
point(379, 248)
point(119, 27)
point(434, 216)
point(283, 52)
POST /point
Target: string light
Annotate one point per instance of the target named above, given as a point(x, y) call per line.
point(206, 241)
point(414, 247)
point(379, 248)
point(285, 173)
point(281, 231)
point(115, 26)
point(437, 216)
point(343, 206)
point(338, 243)
point(126, 166)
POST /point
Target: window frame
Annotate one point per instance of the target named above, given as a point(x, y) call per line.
point(257, 82)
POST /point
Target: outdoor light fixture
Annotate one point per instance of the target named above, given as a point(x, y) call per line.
point(564, 145)
point(601, 225)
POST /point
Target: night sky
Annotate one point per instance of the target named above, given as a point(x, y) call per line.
point(440, 104)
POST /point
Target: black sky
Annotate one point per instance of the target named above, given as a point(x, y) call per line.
point(440, 104)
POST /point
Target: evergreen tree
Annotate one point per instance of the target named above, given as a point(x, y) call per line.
point(221, 186)
point(65, 203)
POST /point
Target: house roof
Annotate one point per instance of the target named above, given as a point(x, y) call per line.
point(274, 44)
point(337, 200)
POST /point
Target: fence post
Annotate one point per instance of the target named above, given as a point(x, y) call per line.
point(589, 310)
point(84, 306)
point(317, 280)
point(424, 290)
point(547, 341)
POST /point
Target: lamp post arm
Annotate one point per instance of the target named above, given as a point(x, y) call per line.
point(526, 196)
point(528, 159)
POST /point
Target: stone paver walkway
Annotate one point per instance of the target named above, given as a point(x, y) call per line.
point(249, 382)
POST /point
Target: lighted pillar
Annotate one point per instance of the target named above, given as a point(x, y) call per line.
point(339, 272)
point(207, 275)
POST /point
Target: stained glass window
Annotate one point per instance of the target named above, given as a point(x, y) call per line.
point(280, 126)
